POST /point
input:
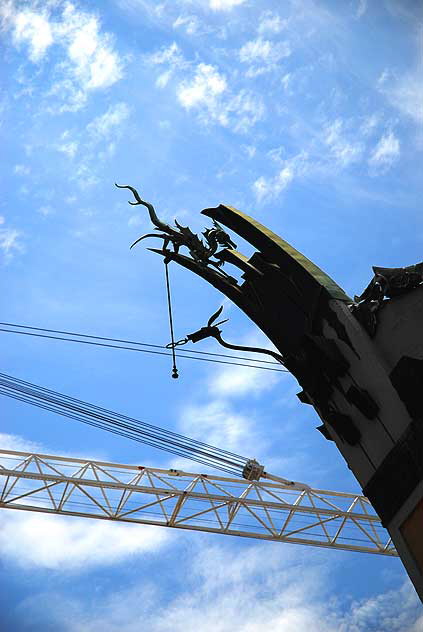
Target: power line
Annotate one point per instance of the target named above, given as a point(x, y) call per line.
point(132, 342)
point(121, 425)
point(191, 354)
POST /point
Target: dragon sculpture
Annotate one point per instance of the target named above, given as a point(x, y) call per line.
point(200, 252)
point(212, 331)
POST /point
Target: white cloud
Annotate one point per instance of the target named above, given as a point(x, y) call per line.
point(263, 51)
point(271, 23)
point(361, 8)
point(102, 126)
point(35, 30)
point(343, 150)
point(270, 188)
point(262, 587)
point(218, 424)
point(394, 610)
point(10, 243)
point(244, 110)
point(168, 55)
point(6, 13)
point(85, 176)
point(14, 442)
point(69, 149)
point(22, 170)
point(203, 89)
point(369, 124)
point(286, 82)
point(386, 152)
point(68, 544)
point(231, 381)
point(90, 61)
point(163, 79)
point(239, 381)
point(208, 93)
point(405, 93)
point(135, 221)
point(46, 210)
point(224, 5)
point(189, 23)
point(62, 543)
point(91, 57)
point(263, 55)
point(250, 150)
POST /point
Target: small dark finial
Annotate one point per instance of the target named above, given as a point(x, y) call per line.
point(175, 373)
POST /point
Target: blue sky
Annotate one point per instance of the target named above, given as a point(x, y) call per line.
point(306, 115)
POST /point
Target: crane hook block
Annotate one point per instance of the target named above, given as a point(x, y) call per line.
point(252, 470)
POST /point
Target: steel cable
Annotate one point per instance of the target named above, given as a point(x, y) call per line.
point(121, 424)
point(5, 376)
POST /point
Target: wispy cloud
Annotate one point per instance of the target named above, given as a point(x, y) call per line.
point(56, 542)
point(369, 124)
point(262, 55)
point(203, 90)
point(224, 5)
point(22, 170)
point(104, 125)
point(386, 153)
point(338, 147)
point(268, 188)
point(361, 8)
point(95, 144)
point(240, 381)
point(68, 545)
point(14, 442)
point(345, 150)
point(35, 30)
point(68, 148)
point(189, 23)
point(171, 58)
point(237, 381)
point(10, 241)
point(404, 92)
point(88, 62)
point(208, 93)
point(266, 586)
point(218, 423)
point(271, 23)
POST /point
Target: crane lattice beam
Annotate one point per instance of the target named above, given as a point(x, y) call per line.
point(202, 502)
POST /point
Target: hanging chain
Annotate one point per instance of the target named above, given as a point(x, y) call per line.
point(172, 337)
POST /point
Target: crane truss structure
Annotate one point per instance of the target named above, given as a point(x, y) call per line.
point(143, 495)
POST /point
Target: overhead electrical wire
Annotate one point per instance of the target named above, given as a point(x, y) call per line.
point(132, 342)
point(121, 425)
point(138, 346)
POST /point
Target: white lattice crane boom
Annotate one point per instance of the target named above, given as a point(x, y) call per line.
point(136, 494)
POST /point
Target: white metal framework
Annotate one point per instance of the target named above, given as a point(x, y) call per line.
point(137, 494)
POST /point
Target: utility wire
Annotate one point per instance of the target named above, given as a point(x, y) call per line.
point(133, 342)
point(122, 425)
point(190, 354)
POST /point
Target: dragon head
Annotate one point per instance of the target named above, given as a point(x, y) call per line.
point(220, 235)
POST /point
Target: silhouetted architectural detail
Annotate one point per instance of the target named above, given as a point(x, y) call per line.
point(348, 357)
point(386, 283)
point(407, 377)
point(212, 331)
point(201, 253)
